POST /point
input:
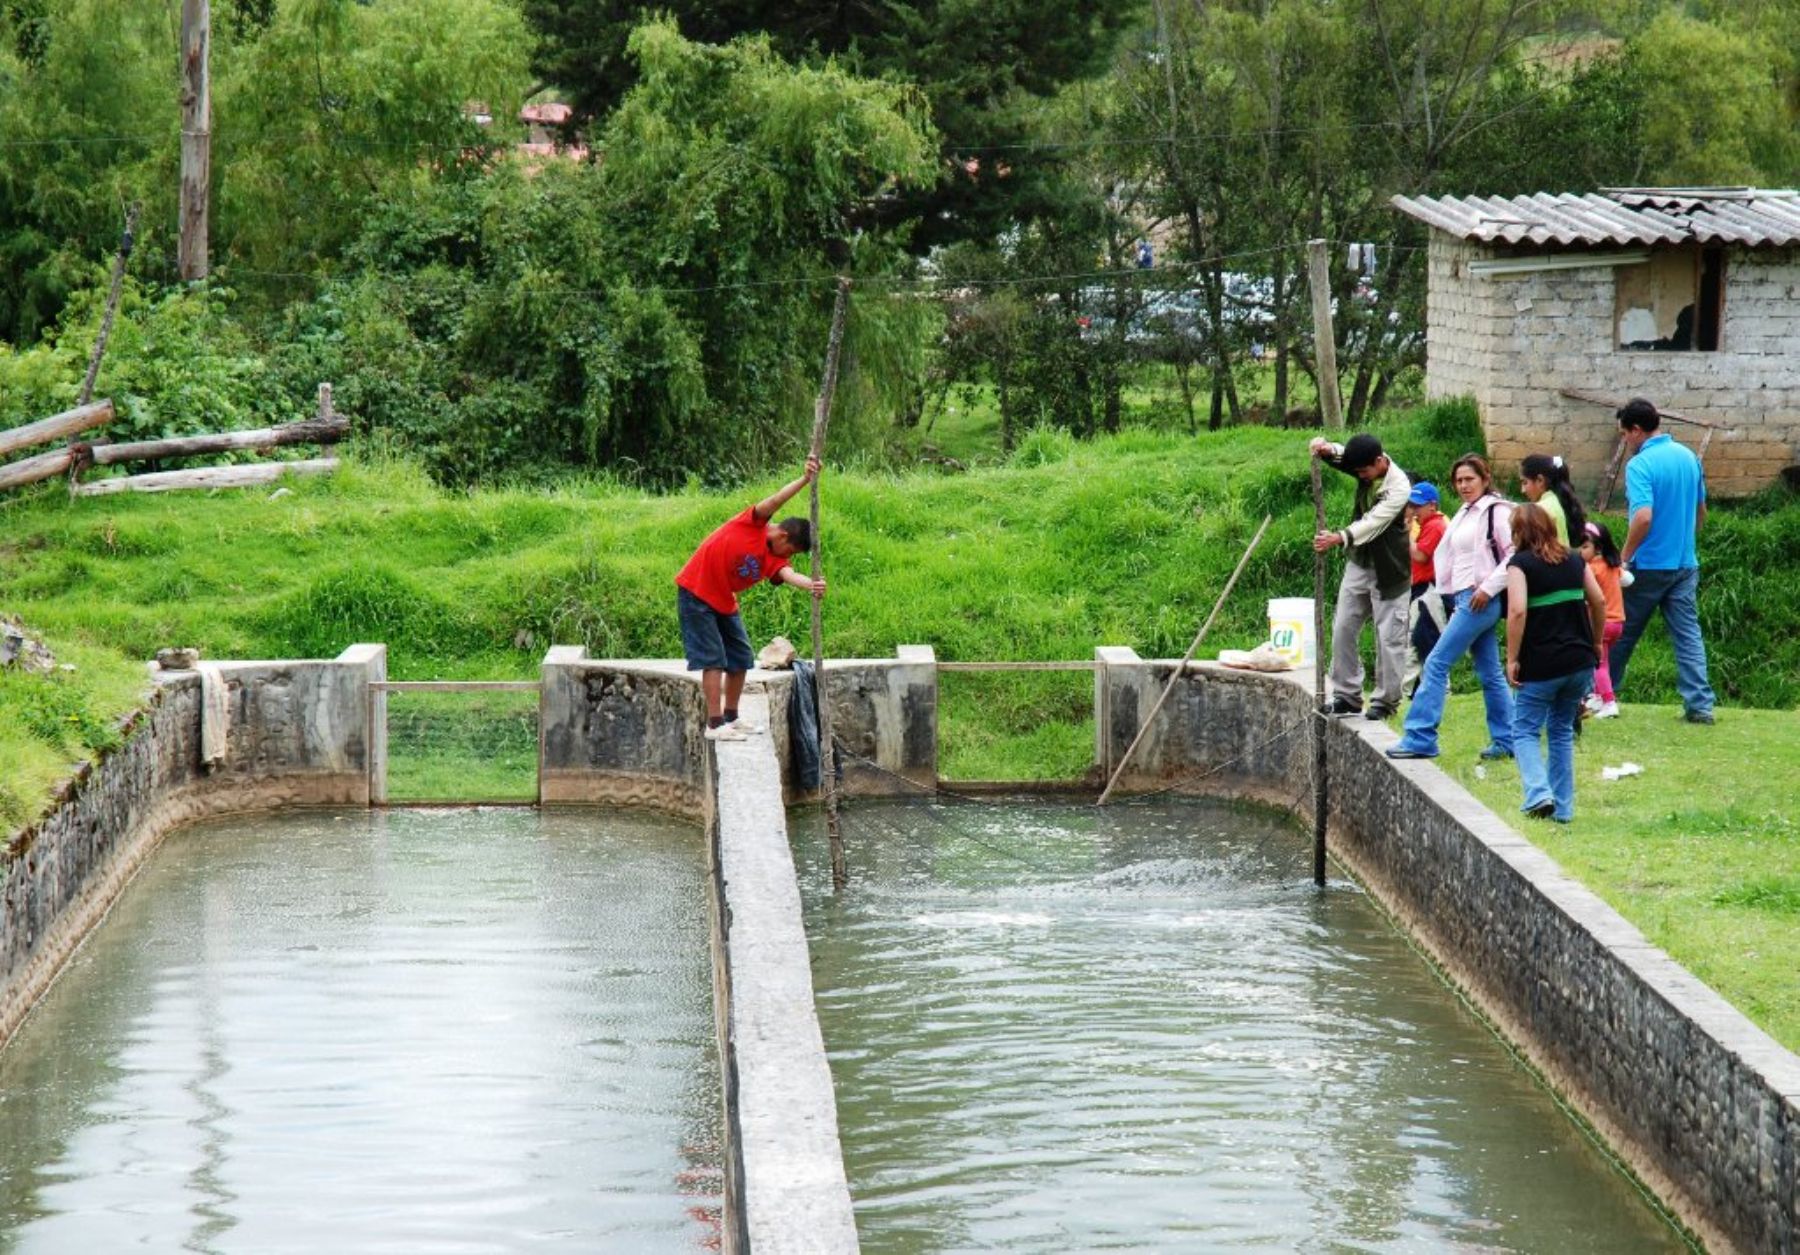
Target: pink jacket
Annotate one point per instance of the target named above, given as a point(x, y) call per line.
point(1490, 568)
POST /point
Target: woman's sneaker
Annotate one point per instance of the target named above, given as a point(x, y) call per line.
point(1592, 703)
point(1607, 710)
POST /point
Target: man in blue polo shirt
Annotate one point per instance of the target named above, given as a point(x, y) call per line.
point(1665, 494)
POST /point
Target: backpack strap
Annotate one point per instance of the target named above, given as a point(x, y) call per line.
point(1493, 545)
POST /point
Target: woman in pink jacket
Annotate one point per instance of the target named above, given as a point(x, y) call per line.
point(1470, 565)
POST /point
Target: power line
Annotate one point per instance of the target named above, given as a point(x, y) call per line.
point(895, 284)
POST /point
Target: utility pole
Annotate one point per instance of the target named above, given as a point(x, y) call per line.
point(1324, 338)
point(196, 137)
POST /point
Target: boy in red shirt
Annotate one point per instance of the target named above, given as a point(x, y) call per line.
point(1428, 613)
point(744, 551)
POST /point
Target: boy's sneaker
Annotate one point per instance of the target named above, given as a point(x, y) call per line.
point(725, 732)
point(1607, 710)
point(749, 727)
point(1341, 706)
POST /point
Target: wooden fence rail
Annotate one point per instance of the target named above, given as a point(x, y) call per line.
point(207, 477)
point(81, 418)
point(313, 431)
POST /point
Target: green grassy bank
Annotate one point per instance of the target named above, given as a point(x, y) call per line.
point(1701, 851)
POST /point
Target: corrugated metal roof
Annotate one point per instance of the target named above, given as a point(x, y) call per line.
point(1757, 218)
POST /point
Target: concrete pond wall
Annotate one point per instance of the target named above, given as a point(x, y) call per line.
point(299, 735)
point(1703, 1105)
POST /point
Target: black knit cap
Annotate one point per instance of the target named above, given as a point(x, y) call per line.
point(1359, 451)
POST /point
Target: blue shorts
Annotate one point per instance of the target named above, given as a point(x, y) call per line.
point(712, 641)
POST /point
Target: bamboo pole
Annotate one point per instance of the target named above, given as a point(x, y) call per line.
point(1181, 666)
point(1331, 404)
point(840, 869)
point(1322, 720)
point(82, 417)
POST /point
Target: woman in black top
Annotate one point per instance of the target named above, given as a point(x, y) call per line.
point(1555, 619)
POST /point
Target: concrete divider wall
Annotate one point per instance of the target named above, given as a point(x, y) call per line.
point(785, 1187)
point(1702, 1104)
point(631, 732)
point(299, 735)
point(626, 732)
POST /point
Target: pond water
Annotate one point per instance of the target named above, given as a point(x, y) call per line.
point(1054, 1027)
point(412, 1031)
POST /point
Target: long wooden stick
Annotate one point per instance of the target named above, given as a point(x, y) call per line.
point(113, 292)
point(1181, 666)
point(840, 870)
point(1321, 719)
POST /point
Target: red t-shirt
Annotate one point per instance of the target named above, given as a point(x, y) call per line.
point(1431, 531)
point(731, 560)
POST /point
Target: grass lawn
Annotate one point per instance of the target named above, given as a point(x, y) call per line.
point(1701, 851)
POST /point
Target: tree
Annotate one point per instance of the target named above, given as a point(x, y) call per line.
point(985, 68)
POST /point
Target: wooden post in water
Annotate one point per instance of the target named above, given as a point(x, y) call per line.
point(1331, 405)
point(840, 870)
point(1321, 718)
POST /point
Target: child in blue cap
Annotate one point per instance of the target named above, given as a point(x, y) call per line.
point(1428, 612)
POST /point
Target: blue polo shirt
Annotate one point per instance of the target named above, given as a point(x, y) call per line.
point(1666, 477)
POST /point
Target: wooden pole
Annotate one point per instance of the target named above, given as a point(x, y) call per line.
point(1181, 666)
point(840, 869)
point(191, 257)
point(112, 305)
point(1324, 339)
point(1321, 718)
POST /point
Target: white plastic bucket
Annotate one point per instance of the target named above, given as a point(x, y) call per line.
point(1291, 629)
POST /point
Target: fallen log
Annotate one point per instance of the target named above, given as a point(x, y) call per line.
point(313, 431)
point(67, 423)
point(30, 470)
point(207, 477)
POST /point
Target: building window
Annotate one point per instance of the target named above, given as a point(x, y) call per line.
point(1675, 302)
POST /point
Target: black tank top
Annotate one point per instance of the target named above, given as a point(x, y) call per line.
point(1559, 634)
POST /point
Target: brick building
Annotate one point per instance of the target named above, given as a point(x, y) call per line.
point(1688, 296)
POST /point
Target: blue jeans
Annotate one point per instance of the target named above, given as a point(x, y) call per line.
point(1469, 632)
point(1674, 591)
point(1553, 704)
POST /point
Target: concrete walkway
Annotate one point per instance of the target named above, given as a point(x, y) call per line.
point(796, 1197)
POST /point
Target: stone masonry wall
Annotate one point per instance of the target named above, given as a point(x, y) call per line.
point(632, 732)
point(1702, 1104)
point(1512, 341)
point(298, 737)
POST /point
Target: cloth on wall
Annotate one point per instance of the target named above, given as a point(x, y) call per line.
point(215, 716)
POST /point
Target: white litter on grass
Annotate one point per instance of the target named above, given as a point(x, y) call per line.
point(1621, 771)
point(1480, 772)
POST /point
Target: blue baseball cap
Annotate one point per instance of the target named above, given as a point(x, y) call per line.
point(1423, 494)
